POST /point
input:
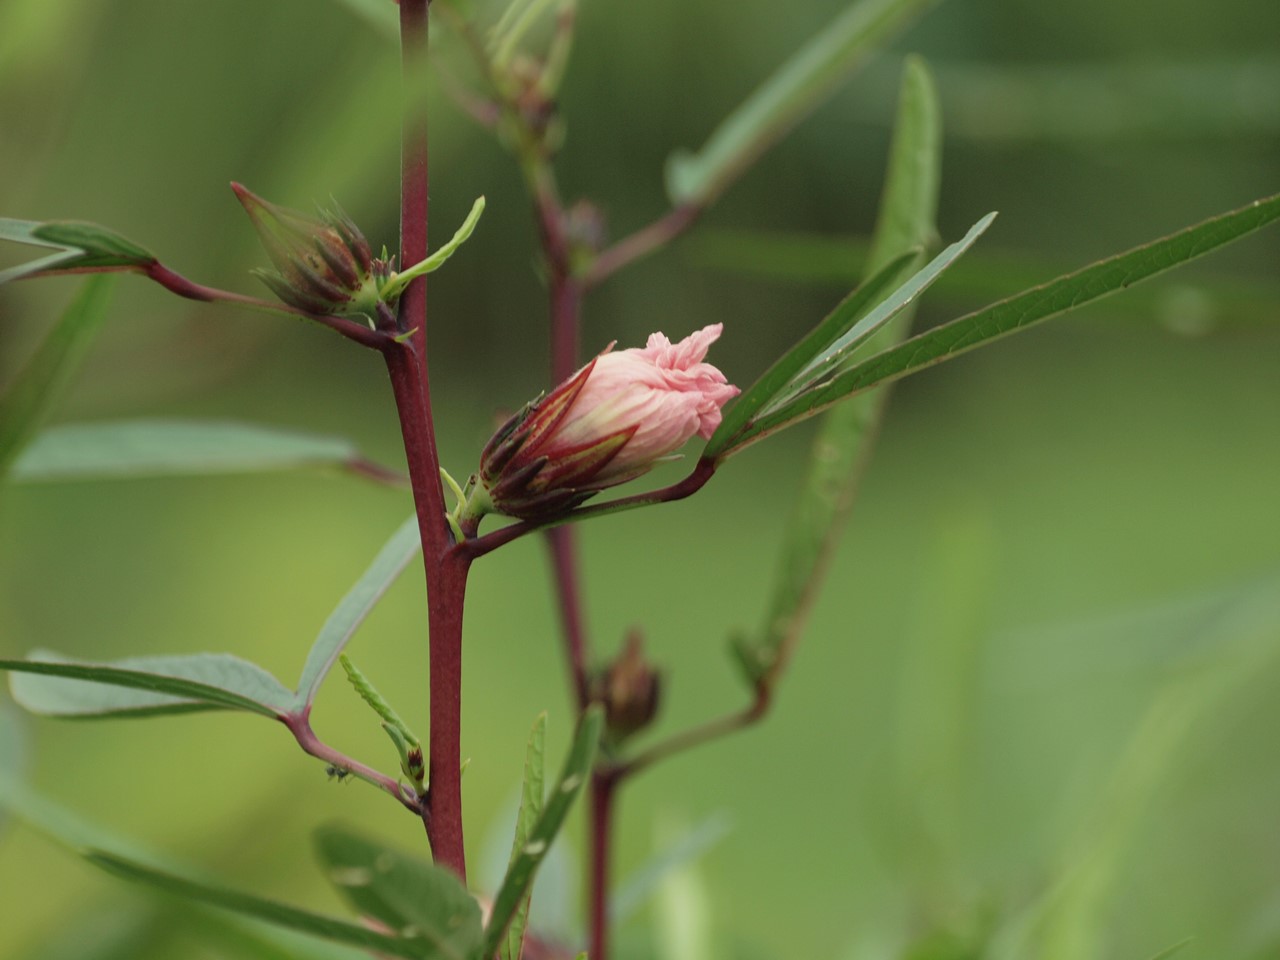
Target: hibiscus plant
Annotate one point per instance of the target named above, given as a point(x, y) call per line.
point(601, 424)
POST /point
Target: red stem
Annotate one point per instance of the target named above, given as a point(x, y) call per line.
point(300, 726)
point(642, 243)
point(176, 283)
point(564, 561)
point(566, 305)
point(602, 813)
point(446, 570)
point(695, 481)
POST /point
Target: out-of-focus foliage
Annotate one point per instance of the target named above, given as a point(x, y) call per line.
point(945, 775)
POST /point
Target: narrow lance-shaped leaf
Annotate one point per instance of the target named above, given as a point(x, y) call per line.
point(905, 222)
point(141, 448)
point(777, 377)
point(52, 685)
point(390, 562)
point(80, 246)
point(824, 366)
point(785, 98)
point(1027, 309)
point(259, 908)
point(425, 904)
point(525, 864)
point(42, 381)
point(531, 801)
point(818, 357)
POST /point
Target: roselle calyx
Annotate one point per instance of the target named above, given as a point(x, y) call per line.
point(324, 266)
point(610, 422)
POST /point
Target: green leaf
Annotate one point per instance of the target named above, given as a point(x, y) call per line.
point(55, 686)
point(1028, 308)
point(80, 246)
point(399, 281)
point(524, 865)
point(683, 916)
point(271, 911)
point(136, 448)
point(396, 554)
point(907, 210)
point(531, 801)
point(632, 893)
point(425, 904)
point(775, 380)
point(858, 322)
point(793, 91)
point(525, 862)
point(836, 356)
point(43, 380)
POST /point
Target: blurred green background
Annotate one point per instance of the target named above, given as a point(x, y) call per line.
point(1035, 711)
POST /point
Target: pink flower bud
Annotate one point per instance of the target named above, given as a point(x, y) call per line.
point(608, 423)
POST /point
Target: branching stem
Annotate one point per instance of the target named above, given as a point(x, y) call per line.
point(300, 726)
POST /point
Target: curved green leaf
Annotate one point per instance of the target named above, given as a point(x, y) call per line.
point(396, 554)
point(524, 865)
point(774, 380)
point(906, 221)
point(860, 321)
point(42, 381)
point(426, 905)
point(798, 86)
point(80, 246)
point(1028, 308)
point(531, 800)
point(134, 448)
point(821, 368)
point(55, 686)
point(259, 908)
point(395, 286)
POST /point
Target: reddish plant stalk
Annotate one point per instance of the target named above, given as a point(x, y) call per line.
point(566, 304)
point(446, 571)
point(299, 724)
point(564, 562)
point(176, 283)
point(602, 813)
